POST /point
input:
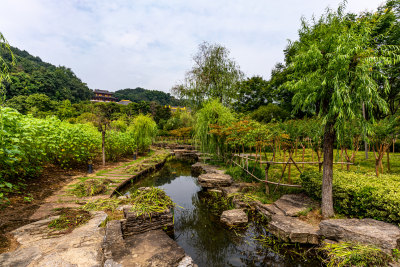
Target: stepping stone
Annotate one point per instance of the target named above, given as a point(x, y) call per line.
point(152, 248)
point(234, 217)
point(293, 204)
point(268, 209)
point(366, 231)
point(212, 180)
point(235, 188)
point(291, 229)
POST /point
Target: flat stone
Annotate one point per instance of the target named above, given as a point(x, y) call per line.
point(268, 209)
point(294, 204)
point(234, 217)
point(291, 229)
point(200, 168)
point(235, 188)
point(211, 180)
point(153, 248)
point(81, 247)
point(366, 231)
point(187, 261)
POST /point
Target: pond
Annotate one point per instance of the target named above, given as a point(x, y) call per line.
point(198, 231)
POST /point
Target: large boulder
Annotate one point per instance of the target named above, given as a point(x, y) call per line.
point(292, 229)
point(212, 180)
point(366, 231)
point(234, 217)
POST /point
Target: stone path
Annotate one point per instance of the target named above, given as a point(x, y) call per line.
point(84, 246)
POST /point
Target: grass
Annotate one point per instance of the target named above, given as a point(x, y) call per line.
point(69, 219)
point(351, 254)
point(90, 187)
point(143, 201)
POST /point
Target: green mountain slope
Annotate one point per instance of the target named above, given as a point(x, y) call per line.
point(139, 94)
point(31, 75)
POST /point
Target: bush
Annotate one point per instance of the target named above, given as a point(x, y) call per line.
point(240, 175)
point(360, 195)
point(119, 145)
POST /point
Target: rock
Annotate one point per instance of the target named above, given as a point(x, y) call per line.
point(291, 229)
point(139, 224)
point(81, 247)
point(211, 180)
point(268, 209)
point(235, 188)
point(201, 168)
point(366, 231)
point(187, 261)
point(186, 154)
point(234, 217)
point(293, 204)
point(153, 248)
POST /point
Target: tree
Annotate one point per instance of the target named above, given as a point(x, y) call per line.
point(269, 113)
point(143, 131)
point(214, 75)
point(251, 94)
point(333, 71)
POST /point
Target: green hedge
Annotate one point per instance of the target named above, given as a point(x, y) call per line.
point(360, 195)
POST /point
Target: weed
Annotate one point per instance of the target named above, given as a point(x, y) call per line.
point(90, 187)
point(351, 254)
point(69, 219)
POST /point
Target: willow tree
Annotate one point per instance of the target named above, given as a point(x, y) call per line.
point(334, 68)
point(213, 75)
point(143, 130)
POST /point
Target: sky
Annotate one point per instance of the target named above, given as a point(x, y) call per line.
point(119, 44)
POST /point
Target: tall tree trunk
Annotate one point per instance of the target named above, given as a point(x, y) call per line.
point(103, 149)
point(327, 178)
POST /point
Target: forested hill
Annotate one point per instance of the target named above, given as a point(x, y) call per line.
point(31, 75)
point(139, 94)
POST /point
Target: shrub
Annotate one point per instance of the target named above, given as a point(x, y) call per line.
point(348, 254)
point(119, 145)
point(360, 195)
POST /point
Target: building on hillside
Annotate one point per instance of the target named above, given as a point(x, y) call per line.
point(124, 102)
point(175, 109)
point(103, 96)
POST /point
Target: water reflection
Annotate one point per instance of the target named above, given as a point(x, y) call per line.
point(198, 231)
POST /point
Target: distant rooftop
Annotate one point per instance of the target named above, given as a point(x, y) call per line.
point(102, 91)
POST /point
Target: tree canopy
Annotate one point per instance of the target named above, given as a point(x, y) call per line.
point(213, 75)
point(334, 68)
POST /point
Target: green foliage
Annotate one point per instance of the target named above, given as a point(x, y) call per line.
point(349, 254)
point(90, 187)
point(213, 112)
point(138, 95)
point(119, 144)
point(70, 219)
point(251, 94)
point(30, 143)
point(143, 130)
point(269, 113)
point(149, 200)
point(240, 175)
point(31, 75)
point(360, 195)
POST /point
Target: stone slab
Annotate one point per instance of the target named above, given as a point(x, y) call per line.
point(294, 204)
point(80, 248)
point(212, 180)
point(234, 217)
point(366, 231)
point(292, 229)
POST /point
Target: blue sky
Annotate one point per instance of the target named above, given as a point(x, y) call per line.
point(120, 44)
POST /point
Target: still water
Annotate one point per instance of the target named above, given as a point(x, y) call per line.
point(198, 231)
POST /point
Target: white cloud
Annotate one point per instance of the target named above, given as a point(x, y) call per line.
point(119, 44)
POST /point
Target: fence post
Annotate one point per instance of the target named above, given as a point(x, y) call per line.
point(266, 179)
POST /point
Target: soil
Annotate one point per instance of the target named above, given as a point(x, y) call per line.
point(19, 210)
